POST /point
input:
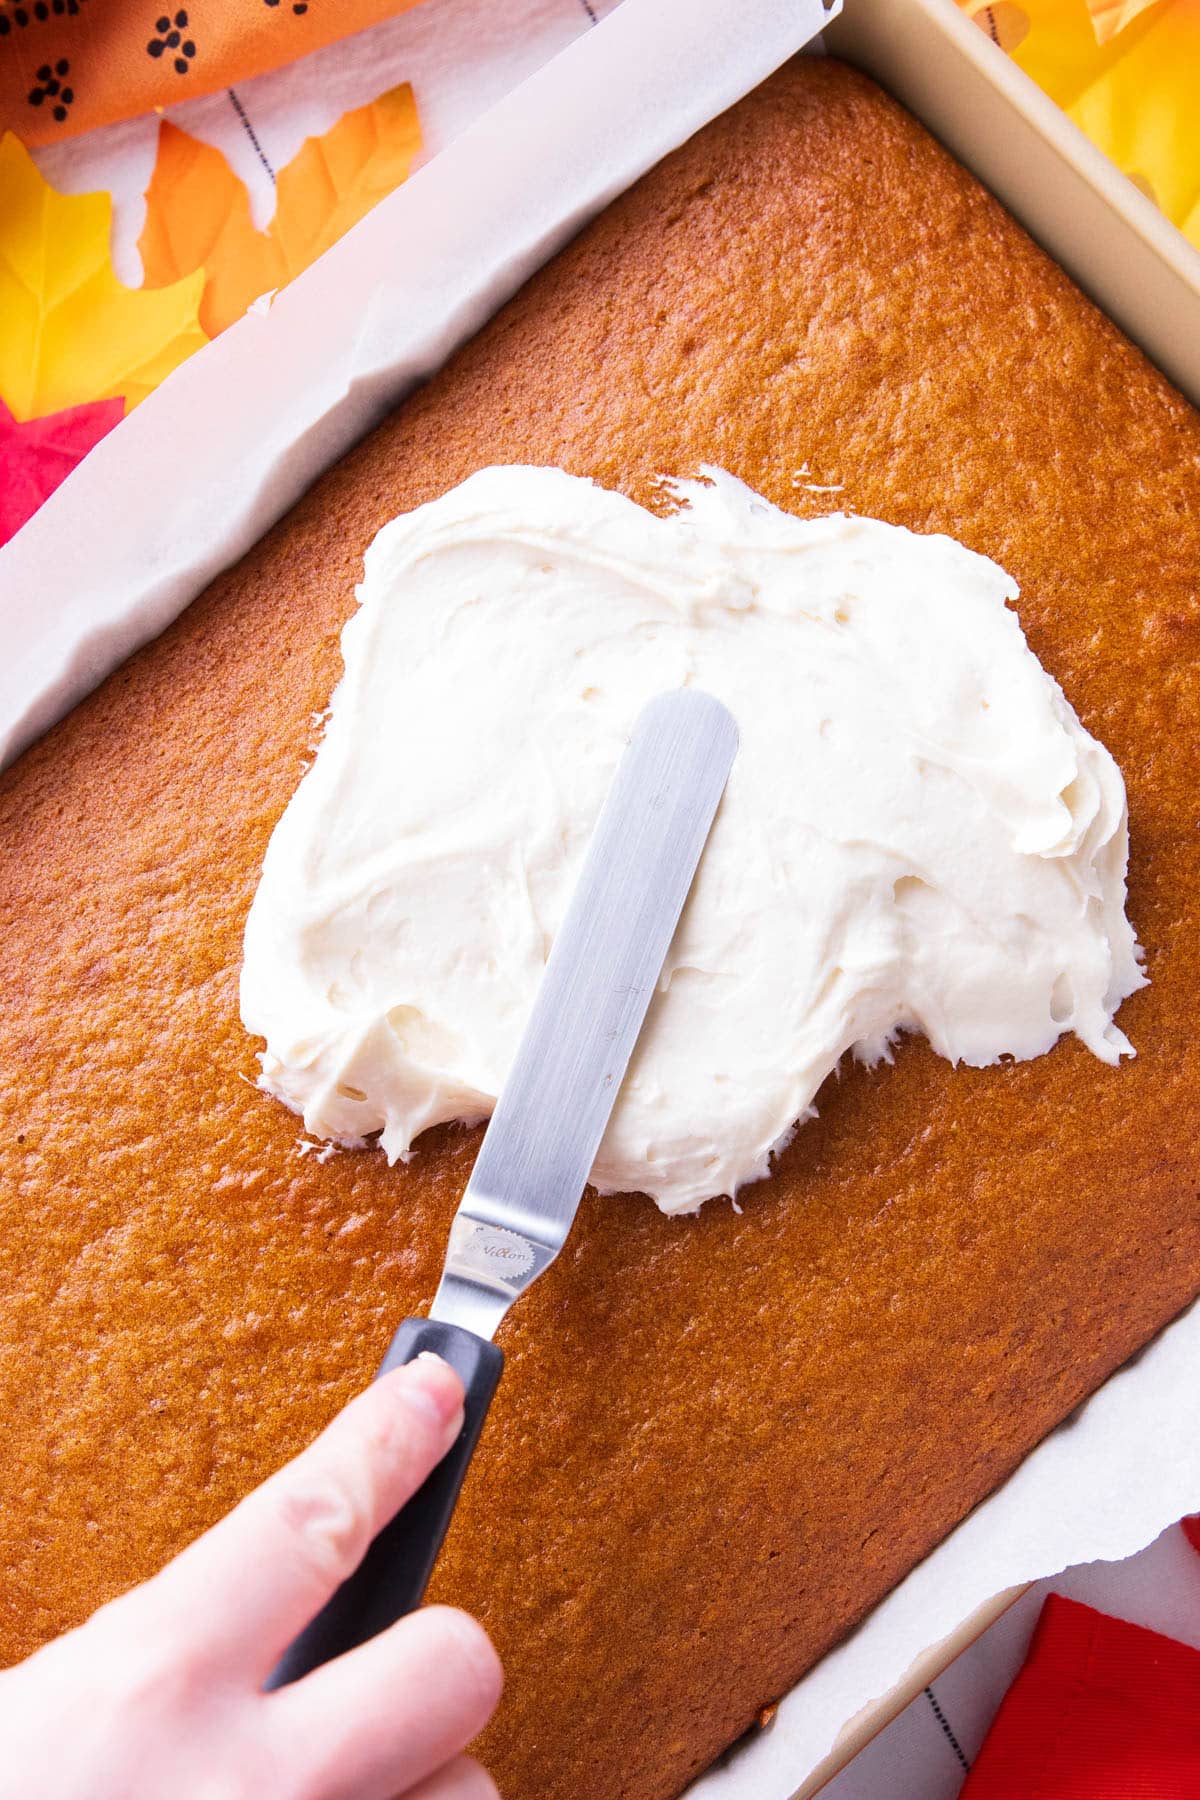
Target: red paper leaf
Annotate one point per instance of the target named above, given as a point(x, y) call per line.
point(36, 456)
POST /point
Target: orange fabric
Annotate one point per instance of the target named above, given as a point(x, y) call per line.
point(69, 65)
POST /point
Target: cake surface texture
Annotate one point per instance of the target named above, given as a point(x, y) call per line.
point(719, 1440)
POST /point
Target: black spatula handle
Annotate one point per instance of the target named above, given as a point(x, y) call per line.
point(391, 1578)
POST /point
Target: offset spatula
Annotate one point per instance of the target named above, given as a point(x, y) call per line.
point(539, 1147)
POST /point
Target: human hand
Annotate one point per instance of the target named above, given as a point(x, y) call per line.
point(160, 1693)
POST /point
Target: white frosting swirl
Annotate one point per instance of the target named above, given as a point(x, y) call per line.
point(918, 833)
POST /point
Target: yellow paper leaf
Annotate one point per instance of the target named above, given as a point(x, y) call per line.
point(1111, 16)
point(1134, 96)
point(70, 332)
point(198, 213)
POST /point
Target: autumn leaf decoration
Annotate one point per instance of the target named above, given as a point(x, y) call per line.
point(1124, 71)
point(36, 456)
point(72, 333)
point(198, 212)
point(78, 347)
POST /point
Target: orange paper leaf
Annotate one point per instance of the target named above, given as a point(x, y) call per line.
point(198, 218)
point(198, 212)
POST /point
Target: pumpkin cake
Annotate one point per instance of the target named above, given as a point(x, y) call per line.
point(720, 1439)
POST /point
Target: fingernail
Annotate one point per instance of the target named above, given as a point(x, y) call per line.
point(437, 1388)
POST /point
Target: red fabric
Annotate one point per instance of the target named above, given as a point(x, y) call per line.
point(1102, 1710)
point(1191, 1530)
point(36, 456)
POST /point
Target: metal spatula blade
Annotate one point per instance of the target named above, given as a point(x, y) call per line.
point(541, 1142)
point(544, 1134)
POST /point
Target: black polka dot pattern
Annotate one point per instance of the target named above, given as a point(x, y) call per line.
point(17, 18)
point(170, 40)
point(51, 86)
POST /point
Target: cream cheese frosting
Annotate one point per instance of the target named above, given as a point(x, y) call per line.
point(918, 833)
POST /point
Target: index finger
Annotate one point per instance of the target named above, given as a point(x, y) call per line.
point(243, 1590)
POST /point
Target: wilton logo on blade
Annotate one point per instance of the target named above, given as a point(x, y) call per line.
point(502, 1254)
